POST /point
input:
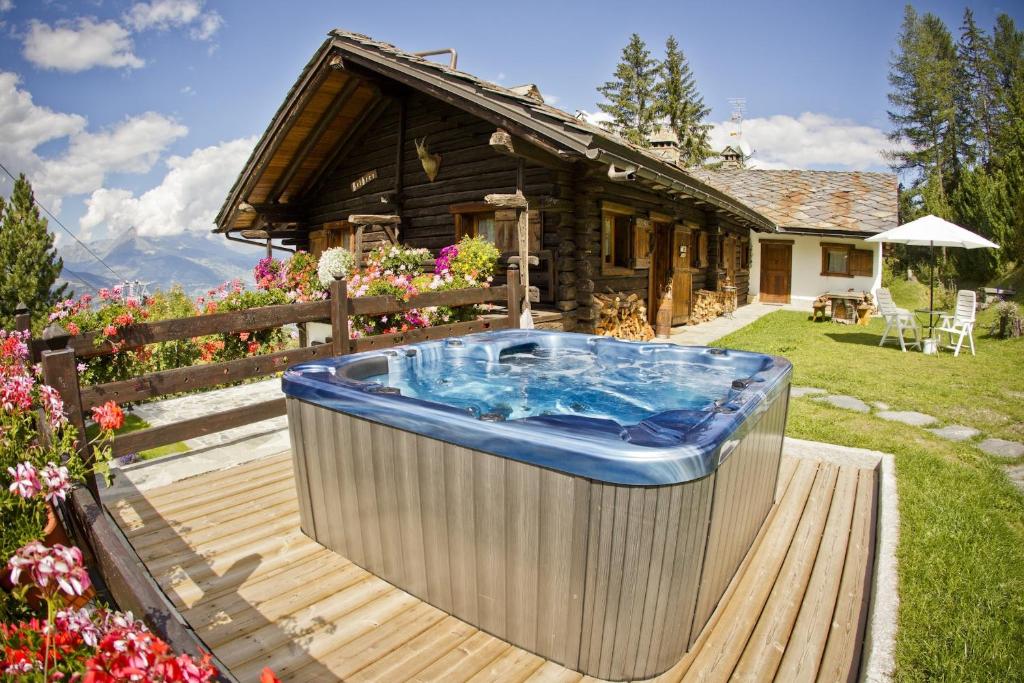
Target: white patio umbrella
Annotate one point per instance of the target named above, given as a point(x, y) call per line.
point(932, 231)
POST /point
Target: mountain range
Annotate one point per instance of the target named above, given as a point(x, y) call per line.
point(194, 261)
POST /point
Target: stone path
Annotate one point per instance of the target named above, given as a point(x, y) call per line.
point(999, 448)
point(196, 405)
point(705, 333)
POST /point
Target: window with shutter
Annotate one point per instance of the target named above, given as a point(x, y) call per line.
point(642, 235)
point(499, 227)
point(617, 240)
point(862, 262)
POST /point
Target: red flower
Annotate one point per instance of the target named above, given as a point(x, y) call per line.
point(244, 336)
point(108, 416)
point(73, 329)
point(267, 676)
point(110, 331)
point(253, 347)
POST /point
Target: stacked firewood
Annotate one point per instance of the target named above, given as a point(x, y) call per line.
point(706, 305)
point(623, 316)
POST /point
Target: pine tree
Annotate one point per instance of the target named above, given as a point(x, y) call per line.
point(29, 265)
point(681, 104)
point(924, 76)
point(976, 94)
point(630, 95)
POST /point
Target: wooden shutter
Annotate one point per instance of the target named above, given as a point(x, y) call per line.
point(505, 236)
point(862, 262)
point(642, 243)
point(536, 230)
point(702, 244)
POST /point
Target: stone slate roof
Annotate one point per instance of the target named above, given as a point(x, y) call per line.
point(819, 201)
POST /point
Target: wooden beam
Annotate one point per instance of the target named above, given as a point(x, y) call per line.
point(313, 137)
point(399, 155)
point(358, 127)
point(506, 201)
point(374, 219)
point(274, 213)
point(505, 143)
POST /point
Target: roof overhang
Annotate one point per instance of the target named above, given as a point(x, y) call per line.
point(829, 232)
point(255, 199)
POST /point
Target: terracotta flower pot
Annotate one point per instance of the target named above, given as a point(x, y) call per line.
point(53, 532)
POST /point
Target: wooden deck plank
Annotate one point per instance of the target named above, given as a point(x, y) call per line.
point(464, 661)
point(806, 644)
point(261, 593)
point(770, 638)
point(842, 651)
point(418, 653)
point(718, 656)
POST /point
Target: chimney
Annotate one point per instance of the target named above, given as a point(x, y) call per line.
point(665, 144)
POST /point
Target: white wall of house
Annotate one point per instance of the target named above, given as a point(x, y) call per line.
point(807, 280)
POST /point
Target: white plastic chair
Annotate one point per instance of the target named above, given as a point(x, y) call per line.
point(896, 318)
point(961, 323)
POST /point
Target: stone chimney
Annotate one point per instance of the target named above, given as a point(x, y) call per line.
point(665, 144)
point(733, 157)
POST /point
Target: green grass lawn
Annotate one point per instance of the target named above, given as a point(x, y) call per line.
point(134, 423)
point(961, 552)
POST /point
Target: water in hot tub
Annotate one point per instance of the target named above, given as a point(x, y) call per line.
point(543, 381)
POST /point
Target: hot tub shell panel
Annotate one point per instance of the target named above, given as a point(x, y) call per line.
point(609, 579)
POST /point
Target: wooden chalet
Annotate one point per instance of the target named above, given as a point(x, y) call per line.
point(373, 143)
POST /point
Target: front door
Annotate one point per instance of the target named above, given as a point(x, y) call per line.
point(682, 278)
point(776, 272)
point(661, 265)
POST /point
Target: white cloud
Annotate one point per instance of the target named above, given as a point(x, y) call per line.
point(595, 118)
point(807, 141)
point(133, 145)
point(187, 199)
point(80, 45)
point(165, 14)
point(6, 5)
point(551, 99)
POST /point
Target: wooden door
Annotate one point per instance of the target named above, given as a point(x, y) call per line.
point(661, 267)
point(682, 278)
point(776, 272)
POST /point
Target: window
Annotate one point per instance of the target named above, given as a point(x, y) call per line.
point(744, 254)
point(333, 234)
point(843, 260)
point(698, 248)
point(496, 226)
point(616, 239)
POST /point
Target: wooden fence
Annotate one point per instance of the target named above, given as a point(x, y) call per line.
point(59, 354)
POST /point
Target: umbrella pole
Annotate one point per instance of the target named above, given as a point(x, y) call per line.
point(931, 291)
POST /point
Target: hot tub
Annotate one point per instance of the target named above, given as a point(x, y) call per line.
point(584, 498)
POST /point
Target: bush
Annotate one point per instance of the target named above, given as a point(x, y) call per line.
point(397, 259)
point(335, 263)
point(1008, 321)
point(229, 346)
point(474, 261)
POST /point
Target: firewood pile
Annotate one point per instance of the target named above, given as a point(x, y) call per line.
point(623, 316)
point(708, 305)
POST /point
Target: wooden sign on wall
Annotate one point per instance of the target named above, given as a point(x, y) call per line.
point(362, 180)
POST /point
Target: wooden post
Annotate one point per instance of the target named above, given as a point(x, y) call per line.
point(339, 317)
point(60, 372)
point(22, 318)
point(518, 202)
point(515, 296)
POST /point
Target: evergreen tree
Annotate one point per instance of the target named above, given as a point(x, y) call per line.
point(29, 265)
point(682, 106)
point(630, 95)
point(977, 92)
point(924, 76)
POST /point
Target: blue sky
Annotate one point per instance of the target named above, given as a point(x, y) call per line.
point(140, 112)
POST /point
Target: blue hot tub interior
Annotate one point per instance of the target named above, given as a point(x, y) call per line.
point(623, 412)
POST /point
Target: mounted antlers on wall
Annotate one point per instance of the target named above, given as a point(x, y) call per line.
point(431, 162)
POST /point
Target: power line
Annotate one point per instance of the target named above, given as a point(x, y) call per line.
point(73, 235)
point(79, 278)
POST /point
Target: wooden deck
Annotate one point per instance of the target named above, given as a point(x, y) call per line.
point(226, 549)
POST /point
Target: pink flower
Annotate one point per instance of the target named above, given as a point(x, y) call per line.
point(73, 329)
point(57, 568)
point(15, 392)
point(53, 404)
point(78, 621)
point(82, 367)
point(244, 336)
point(25, 480)
point(57, 482)
point(110, 331)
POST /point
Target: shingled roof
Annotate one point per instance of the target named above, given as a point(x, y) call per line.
point(813, 201)
point(551, 129)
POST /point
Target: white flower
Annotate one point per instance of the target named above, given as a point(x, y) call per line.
point(336, 262)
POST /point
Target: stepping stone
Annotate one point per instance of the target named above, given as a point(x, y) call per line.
point(907, 417)
point(806, 391)
point(1001, 448)
point(881, 406)
point(845, 402)
point(1016, 475)
point(955, 432)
